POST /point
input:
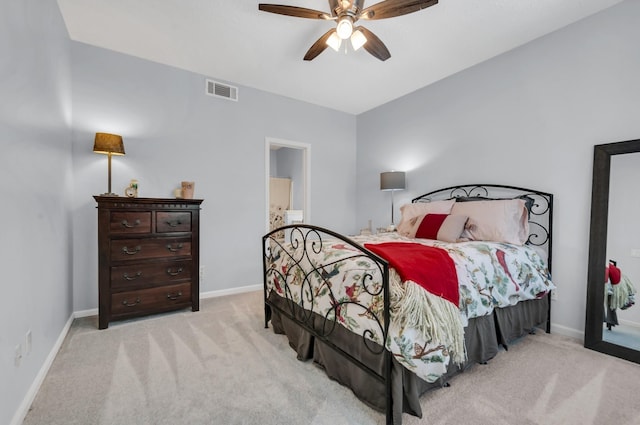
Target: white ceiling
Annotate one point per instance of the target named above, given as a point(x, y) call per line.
point(232, 41)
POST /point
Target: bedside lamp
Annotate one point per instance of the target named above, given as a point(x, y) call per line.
point(392, 180)
point(109, 144)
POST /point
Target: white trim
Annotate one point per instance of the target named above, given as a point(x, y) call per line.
point(203, 295)
point(85, 313)
point(306, 165)
point(22, 411)
point(231, 291)
point(566, 331)
point(629, 323)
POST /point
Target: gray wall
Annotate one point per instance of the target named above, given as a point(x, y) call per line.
point(172, 132)
point(35, 185)
point(529, 117)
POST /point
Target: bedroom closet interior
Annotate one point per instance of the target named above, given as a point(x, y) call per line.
point(287, 196)
point(612, 323)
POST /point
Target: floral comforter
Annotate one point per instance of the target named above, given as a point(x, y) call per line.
point(426, 332)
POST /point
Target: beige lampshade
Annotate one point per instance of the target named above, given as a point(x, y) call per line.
point(108, 144)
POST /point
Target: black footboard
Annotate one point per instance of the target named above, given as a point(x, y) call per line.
point(299, 273)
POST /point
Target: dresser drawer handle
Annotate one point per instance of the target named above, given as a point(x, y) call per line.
point(176, 249)
point(134, 277)
point(133, 304)
point(136, 249)
point(174, 223)
point(126, 224)
point(174, 297)
point(174, 273)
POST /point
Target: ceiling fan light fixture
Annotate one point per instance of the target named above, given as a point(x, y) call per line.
point(345, 27)
point(358, 39)
point(346, 13)
point(334, 41)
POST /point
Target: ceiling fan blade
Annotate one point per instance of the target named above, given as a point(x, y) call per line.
point(298, 12)
point(392, 8)
point(374, 45)
point(319, 46)
point(333, 6)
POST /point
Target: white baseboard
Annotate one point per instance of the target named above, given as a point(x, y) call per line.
point(630, 323)
point(85, 313)
point(223, 292)
point(203, 295)
point(22, 411)
point(566, 331)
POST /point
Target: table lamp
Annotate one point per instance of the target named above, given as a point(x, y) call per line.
point(392, 180)
point(109, 144)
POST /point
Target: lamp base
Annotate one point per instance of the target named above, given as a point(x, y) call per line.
point(391, 228)
point(109, 194)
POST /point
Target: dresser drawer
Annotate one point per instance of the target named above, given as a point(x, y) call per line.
point(173, 221)
point(152, 299)
point(137, 249)
point(129, 276)
point(130, 222)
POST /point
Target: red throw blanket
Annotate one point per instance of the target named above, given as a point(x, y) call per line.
point(432, 268)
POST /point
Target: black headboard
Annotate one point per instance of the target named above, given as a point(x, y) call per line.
point(539, 204)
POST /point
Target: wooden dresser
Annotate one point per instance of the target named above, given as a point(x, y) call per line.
point(148, 256)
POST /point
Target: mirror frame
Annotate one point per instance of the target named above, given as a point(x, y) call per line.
point(598, 250)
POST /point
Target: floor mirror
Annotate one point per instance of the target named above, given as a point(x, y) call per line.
point(614, 252)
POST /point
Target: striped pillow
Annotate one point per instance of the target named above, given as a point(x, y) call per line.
point(442, 227)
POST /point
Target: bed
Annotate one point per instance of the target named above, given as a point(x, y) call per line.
point(396, 314)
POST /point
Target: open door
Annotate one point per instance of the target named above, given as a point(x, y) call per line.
point(287, 182)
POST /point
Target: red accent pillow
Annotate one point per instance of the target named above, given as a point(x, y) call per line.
point(429, 226)
point(442, 227)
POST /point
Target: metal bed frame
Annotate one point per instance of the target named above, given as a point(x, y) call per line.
point(306, 239)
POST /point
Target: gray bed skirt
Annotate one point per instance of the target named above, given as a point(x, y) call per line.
point(483, 338)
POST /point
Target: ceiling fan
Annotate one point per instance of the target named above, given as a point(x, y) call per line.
point(346, 13)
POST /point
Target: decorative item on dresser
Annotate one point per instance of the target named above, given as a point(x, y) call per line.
point(148, 256)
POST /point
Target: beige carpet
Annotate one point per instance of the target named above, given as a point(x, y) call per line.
point(216, 366)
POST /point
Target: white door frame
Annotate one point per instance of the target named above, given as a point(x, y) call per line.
point(306, 173)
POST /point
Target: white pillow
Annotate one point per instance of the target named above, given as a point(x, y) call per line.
point(411, 212)
point(505, 220)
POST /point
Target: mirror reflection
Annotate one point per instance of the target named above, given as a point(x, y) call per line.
point(621, 324)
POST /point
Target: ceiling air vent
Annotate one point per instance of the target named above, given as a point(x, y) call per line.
point(224, 91)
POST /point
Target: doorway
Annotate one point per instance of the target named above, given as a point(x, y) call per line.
point(287, 165)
